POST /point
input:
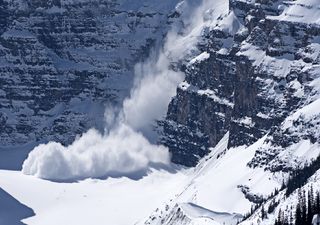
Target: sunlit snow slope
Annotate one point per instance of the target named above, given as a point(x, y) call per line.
point(120, 201)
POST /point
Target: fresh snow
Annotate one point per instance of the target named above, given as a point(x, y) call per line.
point(279, 67)
point(213, 194)
point(203, 56)
point(216, 187)
point(197, 213)
point(210, 93)
point(120, 201)
point(229, 24)
point(285, 203)
point(302, 11)
point(306, 112)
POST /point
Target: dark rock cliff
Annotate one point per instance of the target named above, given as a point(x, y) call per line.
point(62, 61)
point(253, 77)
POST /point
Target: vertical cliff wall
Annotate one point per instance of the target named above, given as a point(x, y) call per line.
point(257, 64)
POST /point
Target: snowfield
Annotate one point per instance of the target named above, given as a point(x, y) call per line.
point(120, 201)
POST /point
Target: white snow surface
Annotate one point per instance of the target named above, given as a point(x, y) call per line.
point(306, 112)
point(212, 195)
point(285, 203)
point(216, 185)
point(302, 11)
point(114, 201)
point(197, 214)
point(203, 56)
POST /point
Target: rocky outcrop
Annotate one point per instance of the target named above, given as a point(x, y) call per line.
point(260, 68)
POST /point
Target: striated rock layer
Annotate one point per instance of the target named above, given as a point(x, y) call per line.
point(63, 61)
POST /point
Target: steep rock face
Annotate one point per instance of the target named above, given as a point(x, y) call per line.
point(62, 62)
point(257, 65)
point(200, 114)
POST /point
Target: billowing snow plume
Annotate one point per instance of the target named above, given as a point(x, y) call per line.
point(125, 147)
point(151, 94)
point(122, 152)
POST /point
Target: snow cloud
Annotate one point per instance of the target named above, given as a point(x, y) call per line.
point(122, 152)
point(151, 94)
point(126, 146)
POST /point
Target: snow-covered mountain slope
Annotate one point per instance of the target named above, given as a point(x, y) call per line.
point(226, 182)
point(220, 190)
point(286, 205)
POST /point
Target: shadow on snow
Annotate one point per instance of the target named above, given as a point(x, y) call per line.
point(12, 211)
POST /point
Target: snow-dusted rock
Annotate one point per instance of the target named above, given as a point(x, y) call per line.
point(62, 62)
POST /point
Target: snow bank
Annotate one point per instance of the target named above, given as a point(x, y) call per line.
point(121, 152)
